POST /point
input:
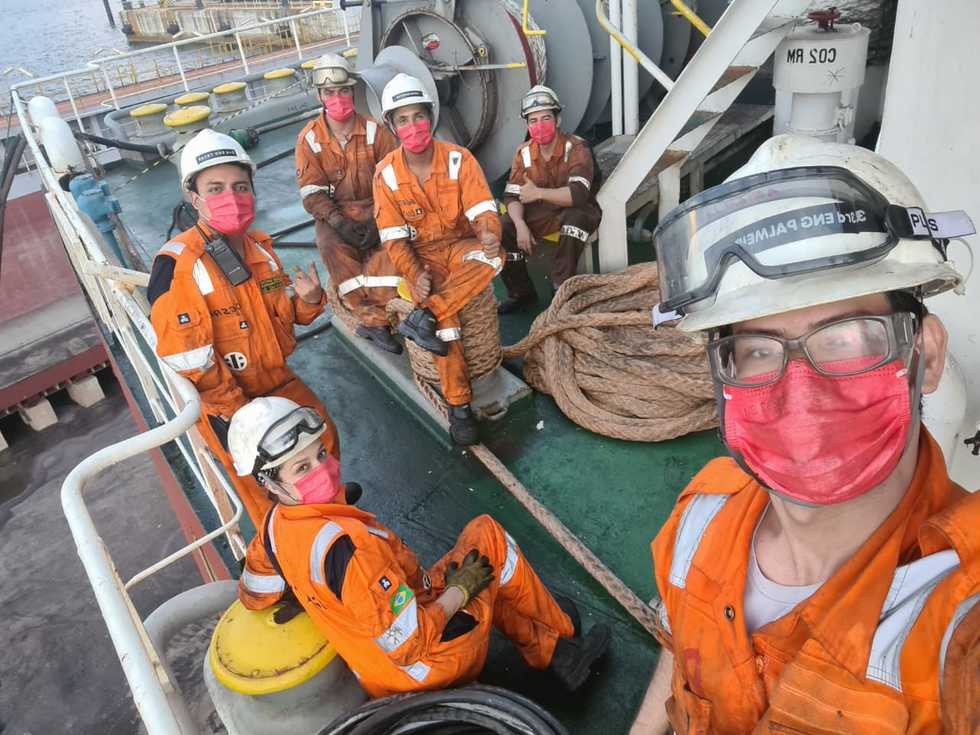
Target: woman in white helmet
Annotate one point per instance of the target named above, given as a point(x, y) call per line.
point(221, 303)
point(336, 154)
point(552, 189)
point(438, 221)
point(825, 578)
point(400, 627)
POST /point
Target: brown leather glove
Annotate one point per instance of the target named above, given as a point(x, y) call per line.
point(349, 230)
point(371, 238)
point(471, 577)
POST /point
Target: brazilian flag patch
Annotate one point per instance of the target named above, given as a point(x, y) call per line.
point(403, 595)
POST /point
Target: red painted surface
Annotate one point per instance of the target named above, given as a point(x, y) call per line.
point(35, 271)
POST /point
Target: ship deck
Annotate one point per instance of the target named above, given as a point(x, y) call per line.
point(612, 494)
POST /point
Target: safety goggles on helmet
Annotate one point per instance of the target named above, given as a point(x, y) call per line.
point(540, 101)
point(778, 224)
point(332, 76)
point(284, 435)
point(850, 346)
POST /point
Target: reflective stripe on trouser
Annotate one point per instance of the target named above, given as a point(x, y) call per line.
point(455, 282)
point(253, 496)
point(545, 220)
point(517, 603)
point(345, 262)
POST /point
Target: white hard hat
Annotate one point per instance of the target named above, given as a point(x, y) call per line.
point(210, 148)
point(537, 98)
point(333, 70)
point(401, 91)
point(804, 222)
point(251, 425)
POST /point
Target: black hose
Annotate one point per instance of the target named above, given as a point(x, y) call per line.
point(285, 123)
point(277, 157)
point(15, 150)
point(292, 228)
point(160, 150)
point(472, 709)
point(295, 245)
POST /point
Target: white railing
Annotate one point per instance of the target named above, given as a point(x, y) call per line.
point(174, 65)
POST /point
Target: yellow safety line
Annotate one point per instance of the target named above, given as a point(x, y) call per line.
point(691, 16)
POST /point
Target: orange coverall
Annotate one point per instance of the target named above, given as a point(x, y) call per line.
point(334, 178)
point(231, 341)
point(889, 644)
point(570, 165)
point(435, 224)
point(366, 591)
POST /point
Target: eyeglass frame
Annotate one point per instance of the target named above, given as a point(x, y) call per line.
point(897, 347)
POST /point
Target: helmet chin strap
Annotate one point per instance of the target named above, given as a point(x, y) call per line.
point(916, 369)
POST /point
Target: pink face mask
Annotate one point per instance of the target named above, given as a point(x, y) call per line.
point(321, 484)
point(415, 136)
point(339, 107)
point(817, 439)
point(231, 212)
point(542, 132)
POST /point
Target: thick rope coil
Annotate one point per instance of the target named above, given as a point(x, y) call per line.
point(595, 352)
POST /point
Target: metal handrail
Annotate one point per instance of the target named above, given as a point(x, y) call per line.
point(681, 7)
point(641, 58)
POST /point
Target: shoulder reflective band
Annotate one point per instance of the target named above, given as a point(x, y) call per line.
point(526, 156)
point(914, 222)
point(455, 162)
point(312, 142)
point(370, 130)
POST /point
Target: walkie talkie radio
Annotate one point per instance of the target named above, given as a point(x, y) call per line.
point(227, 259)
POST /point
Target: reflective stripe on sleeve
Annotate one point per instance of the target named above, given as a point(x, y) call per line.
point(580, 180)
point(451, 334)
point(401, 629)
point(324, 537)
point(510, 563)
point(487, 205)
point(311, 189)
point(172, 247)
point(512, 189)
point(200, 358)
point(526, 156)
point(400, 232)
point(202, 278)
point(352, 284)
point(311, 141)
point(388, 174)
point(577, 232)
point(263, 584)
point(418, 671)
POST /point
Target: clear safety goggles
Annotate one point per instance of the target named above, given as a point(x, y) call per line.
point(332, 76)
point(760, 219)
point(847, 347)
point(283, 436)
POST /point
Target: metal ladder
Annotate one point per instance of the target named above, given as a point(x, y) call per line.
point(741, 42)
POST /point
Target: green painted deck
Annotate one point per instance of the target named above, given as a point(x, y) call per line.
point(613, 494)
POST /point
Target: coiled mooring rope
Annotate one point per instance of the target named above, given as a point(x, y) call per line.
point(596, 353)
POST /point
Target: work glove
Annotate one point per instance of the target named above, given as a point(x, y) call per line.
point(288, 609)
point(351, 232)
point(371, 237)
point(471, 577)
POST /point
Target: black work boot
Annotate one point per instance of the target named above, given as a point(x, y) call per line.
point(381, 337)
point(420, 327)
point(462, 425)
point(513, 303)
point(571, 610)
point(573, 657)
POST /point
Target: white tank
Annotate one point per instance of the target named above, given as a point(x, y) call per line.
point(40, 107)
point(59, 144)
point(817, 75)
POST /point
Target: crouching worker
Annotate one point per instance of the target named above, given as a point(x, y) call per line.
point(336, 155)
point(826, 578)
point(438, 222)
point(552, 189)
point(221, 303)
point(398, 626)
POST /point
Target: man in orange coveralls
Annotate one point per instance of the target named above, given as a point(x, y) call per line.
point(336, 154)
point(400, 627)
point(825, 579)
point(439, 223)
point(552, 188)
point(221, 311)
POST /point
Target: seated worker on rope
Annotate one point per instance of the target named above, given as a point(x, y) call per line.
point(552, 189)
point(397, 625)
point(438, 222)
point(826, 577)
point(336, 154)
point(221, 306)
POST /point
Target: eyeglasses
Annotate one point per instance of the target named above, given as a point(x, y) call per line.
point(282, 437)
point(848, 347)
